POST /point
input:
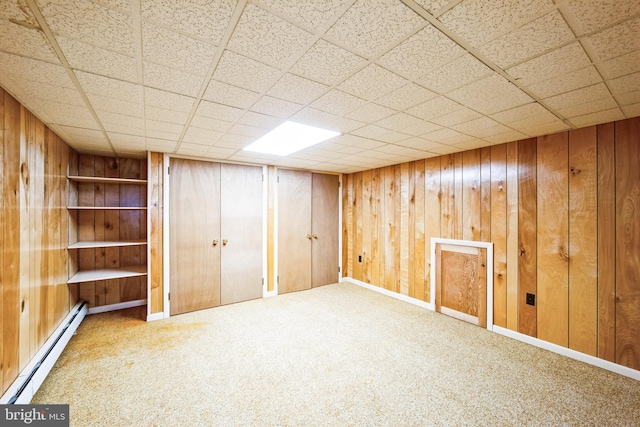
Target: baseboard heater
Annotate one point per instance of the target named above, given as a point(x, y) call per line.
point(31, 378)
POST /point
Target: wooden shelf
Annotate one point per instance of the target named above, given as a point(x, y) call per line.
point(95, 179)
point(107, 208)
point(106, 244)
point(108, 274)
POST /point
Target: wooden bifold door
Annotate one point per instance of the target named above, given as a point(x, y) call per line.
point(215, 229)
point(308, 230)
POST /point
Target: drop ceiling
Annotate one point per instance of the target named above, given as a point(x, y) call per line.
point(401, 80)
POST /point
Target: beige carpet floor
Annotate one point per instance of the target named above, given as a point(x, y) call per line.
point(338, 355)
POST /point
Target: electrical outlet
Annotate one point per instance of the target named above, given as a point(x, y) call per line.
point(531, 299)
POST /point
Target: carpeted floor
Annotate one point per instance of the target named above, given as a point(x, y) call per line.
point(339, 355)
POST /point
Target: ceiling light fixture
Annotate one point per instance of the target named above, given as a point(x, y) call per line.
point(290, 137)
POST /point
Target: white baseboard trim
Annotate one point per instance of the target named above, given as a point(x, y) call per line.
point(32, 376)
point(270, 294)
point(389, 293)
point(118, 306)
point(155, 316)
point(591, 360)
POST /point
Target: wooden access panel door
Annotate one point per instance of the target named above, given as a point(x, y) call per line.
point(241, 232)
point(294, 231)
point(325, 232)
point(461, 282)
point(194, 224)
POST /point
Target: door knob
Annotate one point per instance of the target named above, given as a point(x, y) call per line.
point(224, 242)
point(315, 236)
point(215, 242)
point(309, 236)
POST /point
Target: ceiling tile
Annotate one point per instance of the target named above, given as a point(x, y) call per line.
point(490, 95)
point(445, 149)
point(265, 37)
point(405, 97)
point(115, 105)
point(579, 96)
point(422, 128)
point(41, 91)
point(120, 119)
point(92, 23)
point(628, 98)
point(598, 117)
point(163, 78)
point(219, 111)
point(275, 107)
point(479, 21)
point(370, 26)
point(423, 51)
point(161, 145)
point(98, 61)
point(190, 149)
point(327, 63)
point(555, 63)
point(372, 82)
point(123, 140)
point(19, 68)
point(629, 83)
point(245, 130)
point(260, 120)
point(420, 144)
point(370, 113)
point(530, 40)
point(153, 133)
point(459, 72)
point(176, 50)
point(210, 123)
point(220, 152)
point(433, 5)
point(313, 117)
point(471, 144)
point(200, 135)
point(505, 137)
point(163, 99)
point(346, 125)
point(392, 137)
point(618, 40)
point(165, 115)
point(588, 107)
point(434, 108)
point(482, 127)
point(447, 136)
point(522, 112)
point(23, 39)
point(314, 15)
point(625, 64)
point(297, 89)
point(230, 95)
point(575, 80)
point(81, 132)
point(205, 19)
point(246, 73)
point(399, 122)
point(370, 131)
point(123, 129)
point(357, 142)
point(108, 87)
point(544, 129)
point(338, 102)
point(164, 126)
point(631, 110)
point(592, 15)
point(459, 116)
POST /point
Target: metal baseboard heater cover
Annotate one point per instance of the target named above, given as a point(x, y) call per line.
point(31, 378)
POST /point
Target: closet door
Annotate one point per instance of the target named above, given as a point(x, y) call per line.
point(241, 233)
point(194, 224)
point(324, 226)
point(294, 231)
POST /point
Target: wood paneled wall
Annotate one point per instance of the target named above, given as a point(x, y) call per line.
point(33, 229)
point(99, 225)
point(562, 210)
point(155, 211)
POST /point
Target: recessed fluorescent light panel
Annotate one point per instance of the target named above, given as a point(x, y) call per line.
point(290, 137)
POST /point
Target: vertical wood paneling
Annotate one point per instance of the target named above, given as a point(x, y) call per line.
point(471, 196)
point(358, 221)
point(367, 226)
point(382, 243)
point(347, 225)
point(411, 225)
point(499, 232)
point(419, 272)
point(447, 206)
point(100, 253)
point(583, 241)
point(628, 243)
point(112, 229)
point(390, 225)
point(2, 134)
point(485, 194)
point(527, 244)
point(397, 205)
point(155, 206)
point(513, 248)
point(376, 220)
point(433, 198)
point(458, 195)
point(87, 227)
point(404, 228)
point(25, 240)
point(11, 240)
point(606, 243)
point(553, 235)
